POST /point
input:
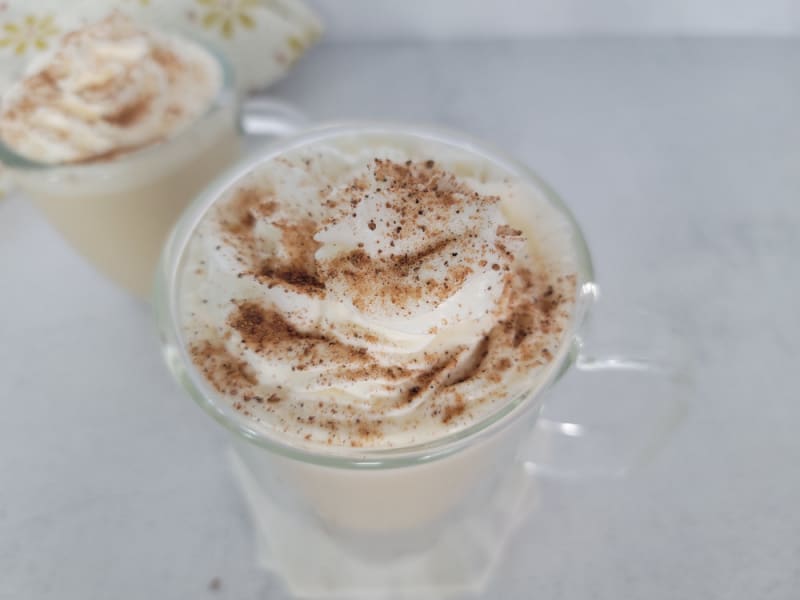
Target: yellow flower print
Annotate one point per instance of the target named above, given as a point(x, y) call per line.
point(32, 31)
point(226, 15)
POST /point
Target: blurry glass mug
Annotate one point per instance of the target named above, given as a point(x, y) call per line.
point(430, 518)
point(117, 213)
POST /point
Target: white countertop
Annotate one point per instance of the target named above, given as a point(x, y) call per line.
point(681, 160)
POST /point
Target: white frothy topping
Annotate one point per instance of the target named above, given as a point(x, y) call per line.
point(108, 88)
point(376, 291)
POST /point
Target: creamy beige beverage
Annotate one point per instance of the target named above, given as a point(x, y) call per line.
point(372, 310)
point(113, 132)
point(375, 292)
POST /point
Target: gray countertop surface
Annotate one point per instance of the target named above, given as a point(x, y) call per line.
point(681, 160)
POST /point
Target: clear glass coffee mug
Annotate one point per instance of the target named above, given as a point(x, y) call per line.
point(431, 519)
point(118, 213)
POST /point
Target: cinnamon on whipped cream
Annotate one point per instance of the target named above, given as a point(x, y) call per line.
point(375, 291)
point(108, 88)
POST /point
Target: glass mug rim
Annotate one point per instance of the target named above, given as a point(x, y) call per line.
point(166, 298)
point(224, 97)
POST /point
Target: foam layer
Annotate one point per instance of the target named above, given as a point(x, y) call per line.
point(375, 291)
point(108, 88)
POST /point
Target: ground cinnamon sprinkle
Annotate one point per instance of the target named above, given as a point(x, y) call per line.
point(420, 199)
point(299, 269)
point(508, 231)
point(227, 373)
point(131, 113)
point(260, 327)
point(239, 215)
point(424, 382)
point(113, 154)
point(395, 279)
point(170, 61)
point(268, 332)
point(503, 364)
point(451, 411)
point(291, 277)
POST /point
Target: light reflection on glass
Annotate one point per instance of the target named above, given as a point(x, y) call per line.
point(568, 429)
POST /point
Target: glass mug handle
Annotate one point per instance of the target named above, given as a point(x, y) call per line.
point(623, 400)
point(264, 117)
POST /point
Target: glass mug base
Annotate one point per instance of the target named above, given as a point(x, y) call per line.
point(455, 556)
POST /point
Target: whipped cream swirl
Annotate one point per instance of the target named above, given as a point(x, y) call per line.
point(371, 296)
point(109, 88)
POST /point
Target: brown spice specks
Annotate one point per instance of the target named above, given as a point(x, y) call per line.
point(129, 114)
point(451, 411)
point(227, 373)
point(260, 327)
point(444, 384)
point(238, 216)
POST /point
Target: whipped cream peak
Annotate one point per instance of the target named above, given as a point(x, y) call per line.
point(375, 294)
point(408, 241)
point(108, 88)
